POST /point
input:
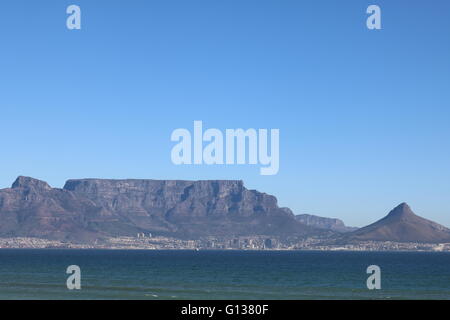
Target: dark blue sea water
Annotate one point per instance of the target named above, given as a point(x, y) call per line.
point(123, 274)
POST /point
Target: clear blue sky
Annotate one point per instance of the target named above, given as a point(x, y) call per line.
point(363, 115)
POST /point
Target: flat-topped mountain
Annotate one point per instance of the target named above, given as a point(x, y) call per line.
point(91, 208)
point(402, 225)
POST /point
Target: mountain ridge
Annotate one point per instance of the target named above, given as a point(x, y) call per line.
point(89, 209)
point(325, 223)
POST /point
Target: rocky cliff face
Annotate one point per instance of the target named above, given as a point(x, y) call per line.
point(90, 208)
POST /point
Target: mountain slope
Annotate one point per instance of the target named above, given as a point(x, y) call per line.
point(402, 225)
point(31, 208)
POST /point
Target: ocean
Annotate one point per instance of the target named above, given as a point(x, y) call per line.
point(140, 274)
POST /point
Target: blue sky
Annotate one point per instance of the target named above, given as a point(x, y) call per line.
point(363, 115)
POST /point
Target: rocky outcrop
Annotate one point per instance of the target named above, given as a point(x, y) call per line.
point(332, 224)
point(91, 208)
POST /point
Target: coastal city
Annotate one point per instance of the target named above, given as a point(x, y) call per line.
point(148, 242)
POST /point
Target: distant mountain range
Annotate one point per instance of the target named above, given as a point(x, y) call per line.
point(332, 224)
point(89, 209)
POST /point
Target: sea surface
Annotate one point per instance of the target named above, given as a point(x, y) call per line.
point(139, 274)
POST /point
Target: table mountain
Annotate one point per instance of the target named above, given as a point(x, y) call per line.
point(91, 208)
point(402, 225)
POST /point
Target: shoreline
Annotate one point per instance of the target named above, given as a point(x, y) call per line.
point(172, 244)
